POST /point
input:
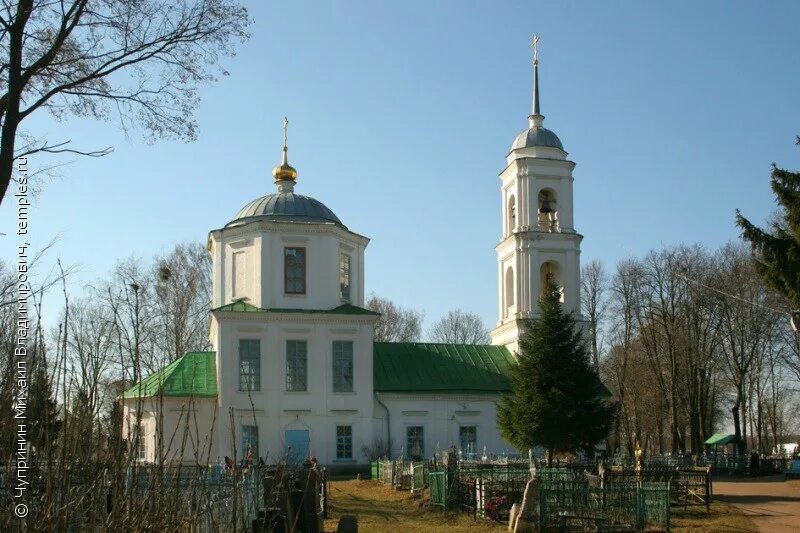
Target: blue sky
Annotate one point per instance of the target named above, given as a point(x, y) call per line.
point(401, 116)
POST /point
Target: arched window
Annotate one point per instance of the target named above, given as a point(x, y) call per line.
point(512, 215)
point(548, 210)
point(509, 289)
point(550, 272)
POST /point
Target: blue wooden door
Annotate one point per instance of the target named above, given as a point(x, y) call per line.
point(297, 445)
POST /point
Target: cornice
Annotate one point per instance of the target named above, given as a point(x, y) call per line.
point(510, 324)
point(430, 396)
point(296, 316)
point(531, 235)
point(526, 162)
point(273, 226)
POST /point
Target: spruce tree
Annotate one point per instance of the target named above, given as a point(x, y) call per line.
point(777, 249)
point(557, 400)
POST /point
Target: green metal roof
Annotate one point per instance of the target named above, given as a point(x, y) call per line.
point(430, 367)
point(240, 306)
point(193, 374)
point(398, 367)
point(720, 439)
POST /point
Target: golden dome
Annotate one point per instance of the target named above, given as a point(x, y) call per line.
point(284, 171)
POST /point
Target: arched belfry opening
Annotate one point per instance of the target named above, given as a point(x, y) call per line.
point(547, 210)
point(550, 272)
point(509, 291)
point(512, 215)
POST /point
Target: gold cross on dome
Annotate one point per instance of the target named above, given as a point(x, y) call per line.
point(285, 129)
point(535, 45)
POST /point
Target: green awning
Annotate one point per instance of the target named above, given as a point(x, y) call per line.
point(193, 374)
point(445, 368)
point(720, 439)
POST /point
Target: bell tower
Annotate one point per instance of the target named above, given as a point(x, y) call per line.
point(539, 240)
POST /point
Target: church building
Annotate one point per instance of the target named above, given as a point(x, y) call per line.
point(295, 371)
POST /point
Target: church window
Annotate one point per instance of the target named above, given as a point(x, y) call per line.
point(249, 445)
point(344, 276)
point(249, 365)
point(509, 287)
point(468, 438)
point(415, 443)
point(342, 366)
point(294, 269)
point(344, 442)
point(296, 366)
point(512, 215)
point(141, 445)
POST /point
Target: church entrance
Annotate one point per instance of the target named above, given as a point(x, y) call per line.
point(296, 445)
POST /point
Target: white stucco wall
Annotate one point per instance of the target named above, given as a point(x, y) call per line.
point(441, 415)
point(188, 434)
point(262, 243)
point(273, 409)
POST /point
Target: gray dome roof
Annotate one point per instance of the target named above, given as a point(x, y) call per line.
point(537, 136)
point(285, 207)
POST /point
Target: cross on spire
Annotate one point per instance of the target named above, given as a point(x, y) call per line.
point(285, 174)
point(535, 45)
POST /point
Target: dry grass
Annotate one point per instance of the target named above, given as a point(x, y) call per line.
point(793, 483)
point(379, 508)
point(721, 517)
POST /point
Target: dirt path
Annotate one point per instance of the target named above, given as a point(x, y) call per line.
point(771, 503)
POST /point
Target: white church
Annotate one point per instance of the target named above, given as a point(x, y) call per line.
point(295, 371)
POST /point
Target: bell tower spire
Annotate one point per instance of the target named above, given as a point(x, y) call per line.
point(535, 119)
point(535, 45)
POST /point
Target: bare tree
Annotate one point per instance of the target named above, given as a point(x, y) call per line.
point(396, 324)
point(747, 331)
point(594, 285)
point(460, 327)
point(138, 61)
point(691, 331)
point(617, 369)
point(698, 344)
point(183, 298)
point(90, 343)
point(159, 310)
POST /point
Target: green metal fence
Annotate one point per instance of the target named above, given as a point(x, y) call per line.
point(567, 501)
point(437, 481)
point(644, 507)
